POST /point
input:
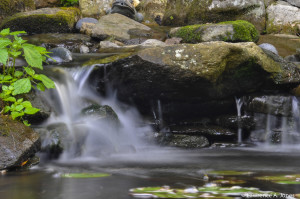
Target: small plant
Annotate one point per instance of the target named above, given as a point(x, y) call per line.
point(15, 82)
point(69, 3)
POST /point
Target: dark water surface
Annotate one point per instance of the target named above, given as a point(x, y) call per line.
point(151, 167)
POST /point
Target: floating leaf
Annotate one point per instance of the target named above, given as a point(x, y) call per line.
point(85, 175)
point(230, 173)
point(22, 86)
point(282, 179)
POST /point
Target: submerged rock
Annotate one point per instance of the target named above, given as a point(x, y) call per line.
point(101, 112)
point(119, 27)
point(203, 11)
point(230, 31)
point(283, 18)
point(191, 79)
point(18, 143)
point(45, 20)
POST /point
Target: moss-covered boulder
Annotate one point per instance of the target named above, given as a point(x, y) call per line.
point(94, 8)
point(214, 11)
point(230, 31)
point(45, 20)
point(283, 18)
point(193, 79)
point(10, 7)
point(18, 143)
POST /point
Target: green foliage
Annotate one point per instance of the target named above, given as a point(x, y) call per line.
point(68, 3)
point(14, 83)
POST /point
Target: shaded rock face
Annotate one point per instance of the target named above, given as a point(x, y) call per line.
point(192, 80)
point(94, 8)
point(283, 18)
point(212, 11)
point(152, 8)
point(10, 7)
point(17, 143)
point(120, 27)
point(45, 20)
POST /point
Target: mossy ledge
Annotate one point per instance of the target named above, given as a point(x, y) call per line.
point(243, 31)
point(46, 20)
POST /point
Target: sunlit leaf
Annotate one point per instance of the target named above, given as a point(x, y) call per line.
point(15, 114)
point(5, 32)
point(27, 104)
point(46, 80)
point(29, 71)
point(18, 73)
point(19, 107)
point(23, 163)
point(22, 86)
point(3, 56)
point(31, 110)
point(17, 32)
point(40, 86)
point(4, 42)
point(10, 99)
point(32, 56)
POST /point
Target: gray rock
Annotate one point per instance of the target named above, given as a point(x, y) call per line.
point(294, 2)
point(120, 27)
point(282, 14)
point(95, 8)
point(17, 143)
point(152, 43)
point(186, 141)
point(60, 55)
point(84, 49)
point(269, 47)
point(85, 20)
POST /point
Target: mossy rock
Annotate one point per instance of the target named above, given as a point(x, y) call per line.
point(10, 7)
point(229, 31)
point(45, 20)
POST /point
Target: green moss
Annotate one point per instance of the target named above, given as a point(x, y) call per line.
point(189, 34)
point(61, 21)
point(244, 31)
point(10, 7)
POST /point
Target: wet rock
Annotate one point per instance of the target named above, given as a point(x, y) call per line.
point(60, 55)
point(45, 20)
point(269, 47)
point(94, 8)
point(84, 49)
point(193, 78)
point(186, 141)
point(101, 112)
point(17, 143)
point(203, 11)
point(71, 41)
point(46, 3)
point(282, 18)
point(173, 40)
point(247, 123)
point(271, 104)
point(120, 27)
point(10, 7)
point(230, 31)
point(85, 20)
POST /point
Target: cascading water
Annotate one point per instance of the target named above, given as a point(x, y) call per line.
point(85, 135)
point(239, 103)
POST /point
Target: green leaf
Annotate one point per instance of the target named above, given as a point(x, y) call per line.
point(17, 32)
point(10, 99)
point(20, 100)
point(19, 107)
point(5, 88)
point(15, 114)
point(26, 123)
point(7, 77)
point(6, 109)
point(4, 42)
point(5, 32)
point(22, 86)
point(32, 56)
point(27, 104)
point(18, 73)
point(31, 110)
point(29, 71)
point(40, 86)
point(3, 56)
point(46, 80)
point(15, 54)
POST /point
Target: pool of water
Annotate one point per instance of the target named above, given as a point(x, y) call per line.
point(149, 167)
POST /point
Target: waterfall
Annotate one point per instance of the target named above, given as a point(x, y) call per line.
point(85, 135)
point(239, 103)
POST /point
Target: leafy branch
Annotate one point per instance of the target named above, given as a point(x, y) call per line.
point(14, 83)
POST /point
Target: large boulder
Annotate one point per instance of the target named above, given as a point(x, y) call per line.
point(18, 143)
point(119, 27)
point(294, 2)
point(191, 80)
point(230, 31)
point(152, 8)
point(45, 20)
point(94, 8)
point(10, 7)
point(283, 18)
point(204, 11)
point(46, 3)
